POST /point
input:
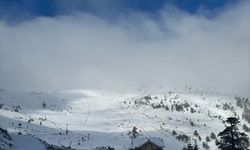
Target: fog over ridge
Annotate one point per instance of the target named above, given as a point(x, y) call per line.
point(82, 50)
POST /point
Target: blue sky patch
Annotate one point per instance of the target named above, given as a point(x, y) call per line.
point(23, 9)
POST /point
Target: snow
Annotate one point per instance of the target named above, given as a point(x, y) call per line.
point(97, 118)
point(27, 143)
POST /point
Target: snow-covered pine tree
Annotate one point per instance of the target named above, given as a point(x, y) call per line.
point(231, 138)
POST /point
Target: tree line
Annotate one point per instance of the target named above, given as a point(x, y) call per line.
point(230, 138)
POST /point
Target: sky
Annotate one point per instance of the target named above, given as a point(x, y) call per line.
point(125, 45)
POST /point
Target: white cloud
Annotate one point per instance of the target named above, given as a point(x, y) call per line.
point(84, 51)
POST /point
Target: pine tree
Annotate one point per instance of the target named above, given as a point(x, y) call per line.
point(231, 138)
point(133, 134)
point(174, 133)
point(205, 145)
point(212, 136)
point(189, 147)
point(195, 145)
point(208, 139)
point(196, 133)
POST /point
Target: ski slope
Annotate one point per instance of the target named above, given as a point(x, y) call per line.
point(86, 119)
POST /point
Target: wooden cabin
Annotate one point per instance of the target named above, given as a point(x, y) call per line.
point(148, 144)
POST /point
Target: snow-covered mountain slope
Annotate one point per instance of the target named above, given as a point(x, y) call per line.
point(21, 142)
point(5, 139)
point(85, 119)
point(24, 142)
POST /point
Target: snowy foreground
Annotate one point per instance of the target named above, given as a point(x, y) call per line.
point(98, 118)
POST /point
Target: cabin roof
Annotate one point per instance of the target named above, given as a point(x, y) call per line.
point(140, 141)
